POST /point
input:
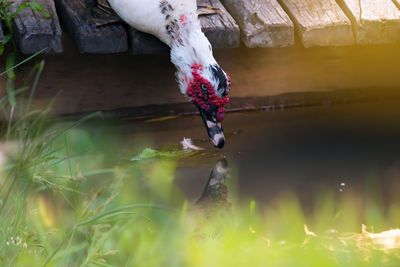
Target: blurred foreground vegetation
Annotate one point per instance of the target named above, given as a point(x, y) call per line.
point(72, 196)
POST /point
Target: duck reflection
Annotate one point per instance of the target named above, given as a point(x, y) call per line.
point(216, 192)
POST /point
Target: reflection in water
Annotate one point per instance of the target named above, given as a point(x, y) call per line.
point(299, 150)
point(216, 191)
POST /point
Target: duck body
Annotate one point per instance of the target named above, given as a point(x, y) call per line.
point(149, 16)
point(176, 23)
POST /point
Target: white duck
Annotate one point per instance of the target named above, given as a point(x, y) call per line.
point(175, 22)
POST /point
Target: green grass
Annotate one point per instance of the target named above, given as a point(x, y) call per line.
point(70, 197)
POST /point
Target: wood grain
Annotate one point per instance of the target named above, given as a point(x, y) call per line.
point(221, 30)
point(102, 40)
point(34, 32)
point(263, 23)
point(374, 21)
point(319, 23)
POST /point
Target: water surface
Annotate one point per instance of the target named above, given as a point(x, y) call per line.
point(350, 148)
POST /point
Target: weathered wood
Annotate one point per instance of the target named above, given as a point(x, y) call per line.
point(221, 30)
point(262, 23)
point(374, 21)
point(34, 32)
point(319, 23)
point(102, 40)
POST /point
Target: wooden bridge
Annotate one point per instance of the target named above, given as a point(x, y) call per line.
point(258, 23)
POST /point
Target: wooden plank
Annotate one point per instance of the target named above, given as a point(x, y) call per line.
point(374, 21)
point(34, 32)
point(102, 40)
point(221, 30)
point(319, 23)
point(262, 23)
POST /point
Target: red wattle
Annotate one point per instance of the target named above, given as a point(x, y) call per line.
point(194, 91)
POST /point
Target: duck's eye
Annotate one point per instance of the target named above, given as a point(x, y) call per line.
point(204, 88)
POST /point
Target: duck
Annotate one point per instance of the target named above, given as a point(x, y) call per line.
point(200, 78)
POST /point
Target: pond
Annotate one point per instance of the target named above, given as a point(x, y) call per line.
point(348, 149)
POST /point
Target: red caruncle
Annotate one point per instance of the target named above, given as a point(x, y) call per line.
point(205, 99)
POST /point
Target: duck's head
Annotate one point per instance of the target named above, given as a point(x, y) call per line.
point(208, 90)
point(202, 80)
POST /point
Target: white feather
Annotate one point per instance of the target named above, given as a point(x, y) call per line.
point(188, 43)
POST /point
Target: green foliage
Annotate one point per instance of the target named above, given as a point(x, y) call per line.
point(35, 6)
point(149, 153)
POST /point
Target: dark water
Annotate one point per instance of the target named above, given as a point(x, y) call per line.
point(340, 147)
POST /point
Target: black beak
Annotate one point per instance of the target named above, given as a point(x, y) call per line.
point(214, 127)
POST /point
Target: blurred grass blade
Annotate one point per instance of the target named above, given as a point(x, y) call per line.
point(105, 218)
point(74, 125)
point(95, 249)
point(59, 246)
point(22, 62)
point(40, 67)
point(11, 92)
point(116, 211)
point(16, 92)
point(10, 63)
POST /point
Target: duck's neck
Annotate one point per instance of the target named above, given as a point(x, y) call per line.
point(190, 47)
